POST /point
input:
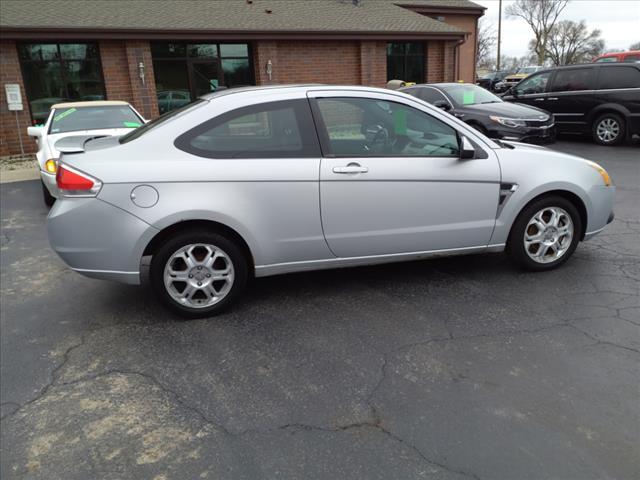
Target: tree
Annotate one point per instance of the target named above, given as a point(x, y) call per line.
point(541, 16)
point(486, 41)
point(634, 46)
point(571, 42)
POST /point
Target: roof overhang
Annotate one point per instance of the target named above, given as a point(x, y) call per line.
point(48, 33)
point(433, 9)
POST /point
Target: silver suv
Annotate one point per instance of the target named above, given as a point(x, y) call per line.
point(263, 181)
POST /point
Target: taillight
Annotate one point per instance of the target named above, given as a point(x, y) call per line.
point(73, 183)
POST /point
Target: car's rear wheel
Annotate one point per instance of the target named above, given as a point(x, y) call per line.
point(198, 273)
point(545, 234)
point(49, 199)
point(609, 129)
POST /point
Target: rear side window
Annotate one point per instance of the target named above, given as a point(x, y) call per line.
point(430, 95)
point(573, 79)
point(632, 58)
point(619, 77)
point(607, 60)
point(267, 130)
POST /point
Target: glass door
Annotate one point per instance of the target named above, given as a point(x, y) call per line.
point(204, 77)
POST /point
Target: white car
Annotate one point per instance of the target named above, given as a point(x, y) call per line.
point(95, 119)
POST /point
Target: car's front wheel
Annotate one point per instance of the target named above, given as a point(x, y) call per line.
point(198, 273)
point(49, 199)
point(545, 234)
point(609, 129)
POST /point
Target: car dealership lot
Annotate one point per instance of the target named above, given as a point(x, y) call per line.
point(452, 368)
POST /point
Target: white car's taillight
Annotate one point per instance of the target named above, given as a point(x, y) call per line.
point(73, 183)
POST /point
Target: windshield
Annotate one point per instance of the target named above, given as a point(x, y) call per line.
point(138, 132)
point(528, 70)
point(74, 119)
point(468, 94)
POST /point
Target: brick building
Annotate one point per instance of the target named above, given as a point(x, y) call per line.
point(161, 54)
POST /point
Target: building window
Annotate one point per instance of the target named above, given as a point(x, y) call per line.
point(59, 72)
point(405, 61)
point(185, 71)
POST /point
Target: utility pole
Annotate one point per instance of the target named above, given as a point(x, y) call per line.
point(499, 32)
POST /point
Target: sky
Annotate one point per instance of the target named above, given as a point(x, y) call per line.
point(618, 20)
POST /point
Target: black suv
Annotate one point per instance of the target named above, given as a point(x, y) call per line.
point(602, 99)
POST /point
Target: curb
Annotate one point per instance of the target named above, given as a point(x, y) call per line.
point(22, 175)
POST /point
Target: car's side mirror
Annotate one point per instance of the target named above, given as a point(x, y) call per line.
point(34, 131)
point(443, 104)
point(466, 148)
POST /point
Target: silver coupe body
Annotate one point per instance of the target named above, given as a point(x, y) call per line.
point(270, 180)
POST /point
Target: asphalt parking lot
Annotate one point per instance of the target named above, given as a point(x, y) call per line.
point(452, 368)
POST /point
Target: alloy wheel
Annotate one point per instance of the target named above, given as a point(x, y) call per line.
point(608, 130)
point(548, 235)
point(198, 275)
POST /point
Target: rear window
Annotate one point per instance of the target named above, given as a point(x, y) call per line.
point(138, 132)
point(74, 119)
point(619, 77)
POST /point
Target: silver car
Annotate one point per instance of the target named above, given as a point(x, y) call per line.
point(263, 181)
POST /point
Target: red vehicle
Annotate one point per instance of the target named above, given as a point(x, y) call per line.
point(630, 56)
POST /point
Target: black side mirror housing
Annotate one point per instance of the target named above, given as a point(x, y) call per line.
point(443, 104)
point(466, 149)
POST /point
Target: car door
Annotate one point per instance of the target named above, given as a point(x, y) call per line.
point(531, 91)
point(391, 180)
point(571, 97)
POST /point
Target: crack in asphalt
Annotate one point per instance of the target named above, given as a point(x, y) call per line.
point(52, 378)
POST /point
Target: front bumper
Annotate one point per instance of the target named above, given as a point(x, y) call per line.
point(49, 180)
point(537, 135)
point(98, 239)
point(601, 213)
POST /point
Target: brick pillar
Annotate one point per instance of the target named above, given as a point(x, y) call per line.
point(449, 67)
point(264, 51)
point(10, 73)
point(115, 71)
point(373, 63)
point(144, 95)
point(435, 61)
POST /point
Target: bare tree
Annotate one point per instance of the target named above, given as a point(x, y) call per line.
point(486, 42)
point(541, 16)
point(634, 46)
point(571, 42)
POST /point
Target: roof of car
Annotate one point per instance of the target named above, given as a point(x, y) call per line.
point(94, 103)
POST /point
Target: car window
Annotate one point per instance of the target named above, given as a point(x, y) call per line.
point(632, 58)
point(573, 79)
point(607, 60)
point(138, 132)
point(74, 119)
point(430, 95)
point(534, 84)
point(268, 130)
point(366, 127)
point(619, 77)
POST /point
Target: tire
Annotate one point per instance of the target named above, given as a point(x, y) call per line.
point(49, 199)
point(187, 253)
point(609, 129)
point(539, 253)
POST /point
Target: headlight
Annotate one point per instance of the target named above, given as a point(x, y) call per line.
point(50, 166)
point(508, 122)
point(603, 173)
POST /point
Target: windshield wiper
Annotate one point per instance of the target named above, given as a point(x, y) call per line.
point(490, 101)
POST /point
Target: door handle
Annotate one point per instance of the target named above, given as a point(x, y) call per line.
point(351, 168)
point(538, 99)
point(553, 98)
